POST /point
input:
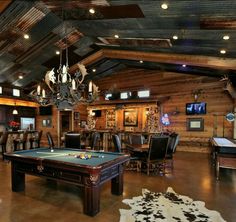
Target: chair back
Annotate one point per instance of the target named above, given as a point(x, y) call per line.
point(116, 142)
point(94, 139)
point(136, 139)
point(158, 147)
point(50, 140)
point(72, 140)
point(173, 142)
point(3, 139)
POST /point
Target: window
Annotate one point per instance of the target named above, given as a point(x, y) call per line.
point(0, 90)
point(16, 92)
point(125, 95)
point(143, 93)
point(108, 96)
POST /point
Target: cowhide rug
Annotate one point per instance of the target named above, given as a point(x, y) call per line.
point(169, 206)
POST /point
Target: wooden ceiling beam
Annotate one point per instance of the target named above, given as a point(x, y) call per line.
point(88, 60)
point(192, 60)
point(4, 4)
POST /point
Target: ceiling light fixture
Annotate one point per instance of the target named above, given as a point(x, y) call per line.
point(164, 6)
point(62, 89)
point(15, 111)
point(222, 51)
point(57, 52)
point(226, 37)
point(91, 10)
point(26, 36)
point(175, 37)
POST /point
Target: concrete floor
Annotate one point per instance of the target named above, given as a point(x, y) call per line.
point(45, 201)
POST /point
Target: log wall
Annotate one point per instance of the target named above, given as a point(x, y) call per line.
point(180, 89)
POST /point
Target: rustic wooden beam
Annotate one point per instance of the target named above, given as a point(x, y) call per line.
point(17, 102)
point(193, 60)
point(4, 5)
point(88, 60)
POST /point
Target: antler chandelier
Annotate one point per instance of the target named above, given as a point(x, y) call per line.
point(64, 90)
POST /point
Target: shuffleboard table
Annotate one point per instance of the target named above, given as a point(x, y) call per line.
point(88, 169)
point(224, 154)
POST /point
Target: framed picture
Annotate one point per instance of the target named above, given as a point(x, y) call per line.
point(130, 118)
point(76, 116)
point(195, 124)
point(83, 123)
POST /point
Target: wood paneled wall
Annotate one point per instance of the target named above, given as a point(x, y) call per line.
point(180, 88)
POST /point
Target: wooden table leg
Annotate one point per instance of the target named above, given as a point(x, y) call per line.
point(91, 200)
point(117, 183)
point(17, 179)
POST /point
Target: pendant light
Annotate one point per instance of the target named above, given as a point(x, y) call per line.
point(15, 111)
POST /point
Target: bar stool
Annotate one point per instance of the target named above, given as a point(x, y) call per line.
point(19, 141)
point(50, 140)
point(36, 139)
point(3, 143)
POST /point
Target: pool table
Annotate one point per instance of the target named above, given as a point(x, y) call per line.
point(88, 169)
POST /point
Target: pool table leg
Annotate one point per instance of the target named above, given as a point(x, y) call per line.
point(17, 179)
point(117, 183)
point(217, 168)
point(91, 200)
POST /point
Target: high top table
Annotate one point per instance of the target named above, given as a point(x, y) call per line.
point(88, 169)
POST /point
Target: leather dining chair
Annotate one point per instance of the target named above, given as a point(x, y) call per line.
point(72, 140)
point(136, 139)
point(134, 160)
point(173, 142)
point(3, 143)
point(95, 141)
point(156, 153)
point(50, 140)
point(36, 139)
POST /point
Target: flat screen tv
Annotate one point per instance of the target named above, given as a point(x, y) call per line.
point(45, 110)
point(196, 108)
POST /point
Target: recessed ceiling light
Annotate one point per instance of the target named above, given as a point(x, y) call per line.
point(94, 70)
point(184, 65)
point(226, 37)
point(58, 52)
point(222, 51)
point(26, 36)
point(116, 36)
point(141, 61)
point(20, 77)
point(175, 37)
point(164, 6)
point(91, 10)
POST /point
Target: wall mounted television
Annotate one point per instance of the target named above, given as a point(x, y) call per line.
point(45, 110)
point(197, 108)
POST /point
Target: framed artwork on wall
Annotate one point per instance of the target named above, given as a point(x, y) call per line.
point(76, 116)
point(130, 118)
point(195, 124)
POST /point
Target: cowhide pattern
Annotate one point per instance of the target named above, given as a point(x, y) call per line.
point(167, 207)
